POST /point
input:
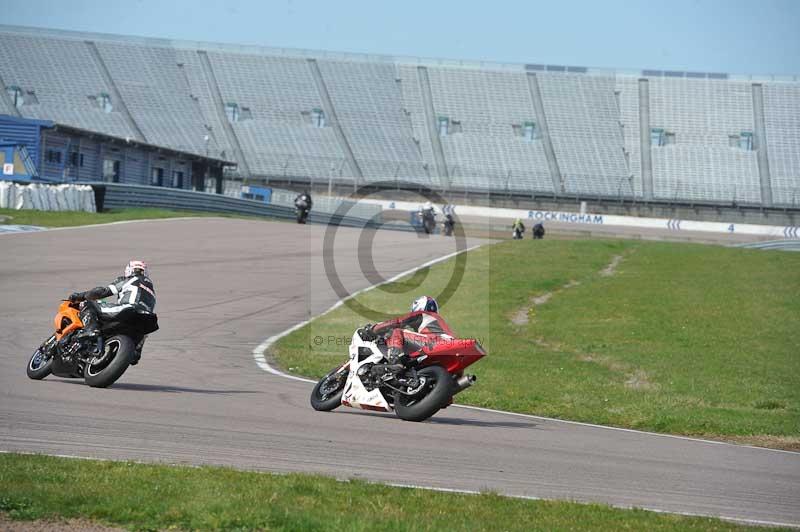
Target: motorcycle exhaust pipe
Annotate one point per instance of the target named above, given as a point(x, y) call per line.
point(464, 382)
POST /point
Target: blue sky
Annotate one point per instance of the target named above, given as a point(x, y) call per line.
point(734, 36)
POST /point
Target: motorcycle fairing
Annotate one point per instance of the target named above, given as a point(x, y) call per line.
point(67, 319)
point(355, 393)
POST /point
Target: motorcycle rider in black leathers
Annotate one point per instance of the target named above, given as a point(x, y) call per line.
point(135, 294)
point(303, 204)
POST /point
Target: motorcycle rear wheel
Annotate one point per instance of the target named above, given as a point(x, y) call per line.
point(39, 366)
point(436, 392)
point(104, 370)
point(327, 394)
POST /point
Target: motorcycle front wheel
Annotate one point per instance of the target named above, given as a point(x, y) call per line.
point(432, 394)
point(327, 394)
point(103, 370)
point(40, 364)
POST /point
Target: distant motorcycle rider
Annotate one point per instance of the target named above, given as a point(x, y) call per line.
point(422, 327)
point(427, 216)
point(518, 229)
point(135, 294)
point(303, 204)
point(449, 224)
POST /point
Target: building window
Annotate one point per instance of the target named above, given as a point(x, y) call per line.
point(529, 131)
point(157, 177)
point(104, 101)
point(318, 118)
point(111, 170)
point(656, 136)
point(76, 159)
point(746, 140)
point(177, 179)
point(443, 125)
point(661, 137)
point(53, 156)
point(232, 111)
point(246, 114)
point(16, 95)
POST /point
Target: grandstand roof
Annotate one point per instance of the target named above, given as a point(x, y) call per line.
point(350, 56)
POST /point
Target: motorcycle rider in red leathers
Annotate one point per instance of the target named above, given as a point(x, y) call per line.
point(422, 328)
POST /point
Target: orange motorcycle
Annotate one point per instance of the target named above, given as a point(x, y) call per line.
point(100, 361)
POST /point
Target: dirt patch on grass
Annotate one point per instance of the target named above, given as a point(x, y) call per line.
point(58, 525)
point(523, 315)
point(611, 269)
point(636, 378)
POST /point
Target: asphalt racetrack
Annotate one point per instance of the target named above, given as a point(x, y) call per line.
point(198, 397)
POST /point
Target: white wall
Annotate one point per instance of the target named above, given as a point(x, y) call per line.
point(604, 219)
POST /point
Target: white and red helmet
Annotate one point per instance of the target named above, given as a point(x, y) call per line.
point(137, 266)
point(425, 303)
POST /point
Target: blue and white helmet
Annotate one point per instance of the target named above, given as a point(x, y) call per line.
point(425, 303)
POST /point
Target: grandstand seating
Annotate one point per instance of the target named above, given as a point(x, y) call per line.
point(412, 106)
point(63, 75)
point(627, 89)
point(278, 140)
point(584, 123)
point(176, 95)
point(486, 154)
point(157, 94)
point(701, 164)
point(368, 104)
point(782, 120)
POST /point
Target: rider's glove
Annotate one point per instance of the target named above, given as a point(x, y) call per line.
point(366, 333)
point(76, 297)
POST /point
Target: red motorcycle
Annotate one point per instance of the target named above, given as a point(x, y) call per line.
point(414, 391)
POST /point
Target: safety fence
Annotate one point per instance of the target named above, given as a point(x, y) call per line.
point(42, 197)
point(328, 204)
point(115, 196)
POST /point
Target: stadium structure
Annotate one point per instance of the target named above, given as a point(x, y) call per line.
point(519, 132)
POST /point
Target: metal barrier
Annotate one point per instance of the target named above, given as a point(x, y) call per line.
point(115, 196)
point(328, 204)
point(783, 245)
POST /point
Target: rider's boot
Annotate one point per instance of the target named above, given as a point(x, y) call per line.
point(91, 327)
point(137, 354)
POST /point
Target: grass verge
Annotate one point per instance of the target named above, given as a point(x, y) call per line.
point(73, 218)
point(675, 338)
point(154, 497)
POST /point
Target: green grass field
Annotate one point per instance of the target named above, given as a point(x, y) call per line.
point(73, 218)
point(151, 497)
point(678, 338)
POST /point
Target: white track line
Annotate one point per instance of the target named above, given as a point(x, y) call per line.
point(443, 490)
point(120, 222)
point(258, 352)
point(260, 358)
point(620, 506)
